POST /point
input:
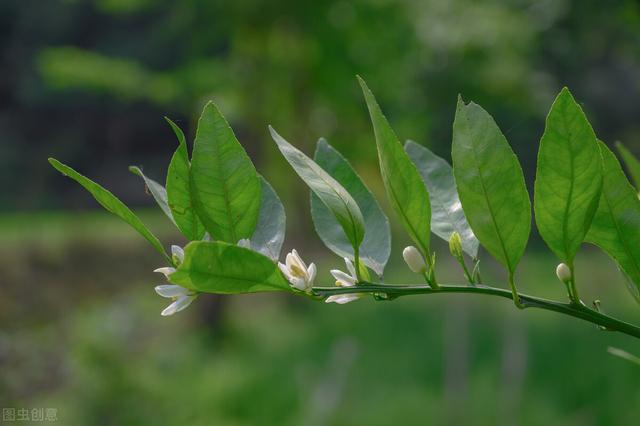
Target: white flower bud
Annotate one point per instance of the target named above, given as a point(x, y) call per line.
point(564, 273)
point(414, 260)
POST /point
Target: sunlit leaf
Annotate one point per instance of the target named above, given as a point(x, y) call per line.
point(269, 233)
point(632, 163)
point(225, 186)
point(376, 246)
point(218, 267)
point(111, 203)
point(179, 190)
point(447, 215)
point(157, 191)
point(568, 178)
point(616, 224)
point(336, 198)
point(405, 189)
point(490, 185)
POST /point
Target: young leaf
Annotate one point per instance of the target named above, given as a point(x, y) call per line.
point(111, 204)
point(269, 233)
point(632, 163)
point(406, 191)
point(157, 191)
point(179, 190)
point(568, 178)
point(224, 184)
point(447, 215)
point(376, 246)
point(218, 267)
point(331, 193)
point(490, 185)
point(616, 224)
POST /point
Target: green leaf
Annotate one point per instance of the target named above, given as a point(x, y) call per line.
point(269, 234)
point(157, 191)
point(376, 245)
point(568, 178)
point(490, 185)
point(632, 163)
point(616, 224)
point(224, 184)
point(331, 193)
point(218, 267)
point(406, 190)
point(111, 203)
point(179, 190)
point(447, 215)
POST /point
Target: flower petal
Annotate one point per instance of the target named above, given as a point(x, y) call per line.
point(341, 299)
point(167, 270)
point(343, 279)
point(170, 290)
point(299, 284)
point(298, 259)
point(350, 267)
point(178, 252)
point(312, 273)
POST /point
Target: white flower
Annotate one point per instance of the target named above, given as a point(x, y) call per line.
point(182, 297)
point(299, 275)
point(344, 280)
point(564, 273)
point(414, 260)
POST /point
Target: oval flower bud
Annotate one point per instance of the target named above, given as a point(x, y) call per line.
point(414, 260)
point(564, 273)
point(455, 245)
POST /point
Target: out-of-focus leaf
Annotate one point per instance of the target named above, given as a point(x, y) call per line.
point(269, 233)
point(490, 185)
point(179, 190)
point(447, 215)
point(406, 190)
point(111, 203)
point(218, 267)
point(568, 178)
point(616, 225)
point(376, 245)
point(331, 193)
point(632, 163)
point(157, 191)
point(224, 183)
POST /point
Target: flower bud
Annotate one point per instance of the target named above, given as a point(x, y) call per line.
point(564, 273)
point(414, 260)
point(455, 245)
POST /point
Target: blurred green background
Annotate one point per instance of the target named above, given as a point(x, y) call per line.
point(88, 82)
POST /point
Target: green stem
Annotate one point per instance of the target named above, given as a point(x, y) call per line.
point(514, 292)
point(571, 309)
point(356, 263)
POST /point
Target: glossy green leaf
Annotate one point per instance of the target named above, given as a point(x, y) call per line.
point(376, 245)
point(568, 178)
point(224, 183)
point(218, 267)
point(111, 203)
point(269, 233)
point(490, 185)
point(333, 195)
point(179, 190)
point(632, 163)
point(616, 224)
point(405, 189)
point(447, 215)
point(157, 191)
